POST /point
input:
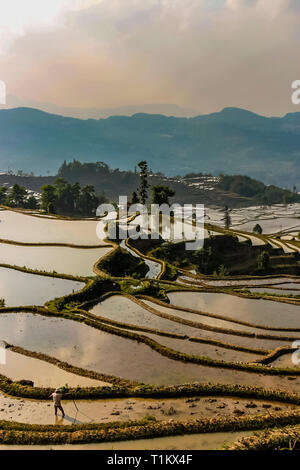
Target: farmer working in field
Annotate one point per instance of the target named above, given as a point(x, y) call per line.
point(56, 397)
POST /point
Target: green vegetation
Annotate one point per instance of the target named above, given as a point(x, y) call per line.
point(109, 183)
point(17, 196)
point(263, 261)
point(227, 218)
point(148, 288)
point(170, 273)
point(257, 229)
point(143, 181)
point(222, 271)
point(280, 438)
point(22, 434)
point(134, 198)
point(225, 255)
point(121, 263)
point(161, 194)
point(121, 274)
point(218, 255)
point(257, 191)
point(65, 198)
point(94, 289)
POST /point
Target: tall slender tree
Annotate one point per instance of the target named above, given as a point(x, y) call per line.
point(49, 198)
point(227, 218)
point(3, 192)
point(143, 181)
point(134, 198)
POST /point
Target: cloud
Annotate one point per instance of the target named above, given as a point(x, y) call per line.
point(197, 53)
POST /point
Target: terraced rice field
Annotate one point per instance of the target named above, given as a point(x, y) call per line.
point(95, 335)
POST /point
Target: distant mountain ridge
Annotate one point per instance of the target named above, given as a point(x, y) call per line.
point(233, 141)
point(100, 113)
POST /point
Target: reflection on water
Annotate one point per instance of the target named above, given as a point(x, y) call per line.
point(122, 309)
point(200, 349)
point(264, 312)
point(216, 322)
point(271, 225)
point(53, 258)
point(24, 228)
point(287, 361)
point(86, 347)
point(18, 288)
point(41, 373)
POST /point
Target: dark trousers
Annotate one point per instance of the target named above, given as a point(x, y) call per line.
point(60, 408)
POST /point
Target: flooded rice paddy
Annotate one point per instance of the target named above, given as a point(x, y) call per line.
point(74, 261)
point(28, 229)
point(271, 225)
point(95, 350)
point(216, 322)
point(19, 288)
point(269, 290)
point(101, 411)
point(246, 282)
point(86, 347)
point(122, 309)
point(257, 311)
point(41, 373)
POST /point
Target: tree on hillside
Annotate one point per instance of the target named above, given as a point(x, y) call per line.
point(63, 197)
point(161, 194)
point(17, 196)
point(204, 259)
point(134, 198)
point(263, 261)
point(222, 271)
point(143, 181)
point(88, 201)
point(227, 218)
point(257, 229)
point(3, 194)
point(75, 194)
point(284, 198)
point(31, 203)
point(49, 198)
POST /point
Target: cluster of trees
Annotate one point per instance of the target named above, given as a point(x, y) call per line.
point(122, 263)
point(194, 175)
point(160, 193)
point(218, 256)
point(101, 176)
point(107, 179)
point(205, 259)
point(258, 191)
point(17, 196)
point(75, 170)
point(67, 198)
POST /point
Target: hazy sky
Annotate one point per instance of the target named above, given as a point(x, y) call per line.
point(204, 54)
